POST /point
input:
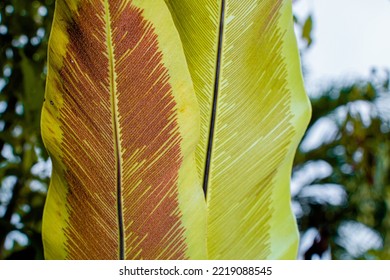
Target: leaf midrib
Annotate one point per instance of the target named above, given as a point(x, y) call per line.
point(116, 135)
point(215, 99)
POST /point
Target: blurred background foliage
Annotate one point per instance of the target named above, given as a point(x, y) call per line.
point(341, 174)
point(24, 30)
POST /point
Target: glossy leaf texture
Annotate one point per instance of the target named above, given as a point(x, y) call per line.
point(244, 63)
point(121, 123)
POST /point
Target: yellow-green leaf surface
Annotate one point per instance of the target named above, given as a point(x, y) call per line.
point(121, 123)
point(244, 63)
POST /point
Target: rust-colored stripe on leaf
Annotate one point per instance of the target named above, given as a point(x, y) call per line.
point(149, 130)
point(149, 139)
point(88, 142)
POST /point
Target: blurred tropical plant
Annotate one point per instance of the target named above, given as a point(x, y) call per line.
point(24, 29)
point(341, 183)
point(342, 172)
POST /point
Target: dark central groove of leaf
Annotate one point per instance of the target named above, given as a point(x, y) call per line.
point(117, 140)
point(120, 214)
point(215, 97)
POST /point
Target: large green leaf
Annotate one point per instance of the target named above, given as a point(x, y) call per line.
point(244, 63)
point(120, 121)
